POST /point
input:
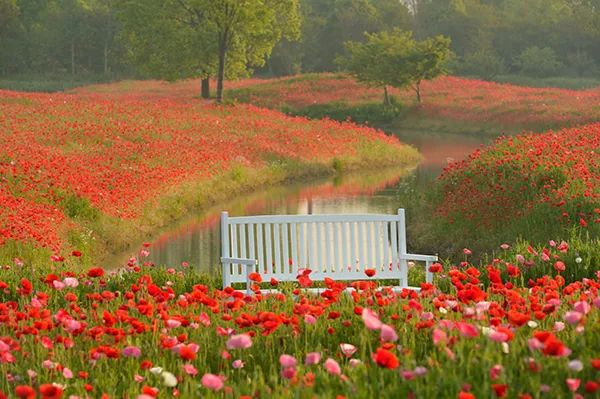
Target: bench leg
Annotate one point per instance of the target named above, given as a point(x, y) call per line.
point(249, 269)
point(428, 274)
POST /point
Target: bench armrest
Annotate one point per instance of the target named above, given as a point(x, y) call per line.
point(423, 258)
point(249, 264)
point(239, 261)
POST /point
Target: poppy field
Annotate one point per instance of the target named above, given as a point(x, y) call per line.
point(447, 99)
point(148, 332)
point(79, 169)
point(535, 185)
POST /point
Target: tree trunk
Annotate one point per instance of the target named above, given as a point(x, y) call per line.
point(386, 97)
point(418, 91)
point(205, 89)
point(106, 57)
point(72, 56)
point(221, 71)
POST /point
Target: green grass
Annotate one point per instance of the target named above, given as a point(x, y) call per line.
point(52, 82)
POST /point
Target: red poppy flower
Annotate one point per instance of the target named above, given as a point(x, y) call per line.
point(255, 277)
point(385, 358)
point(370, 272)
point(500, 390)
point(25, 392)
point(50, 391)
point(95, 272)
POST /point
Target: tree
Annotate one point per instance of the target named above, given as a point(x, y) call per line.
point(395, 59)
point(8, 15)
point(176, 39)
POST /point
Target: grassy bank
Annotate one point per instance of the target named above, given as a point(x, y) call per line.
point(97, 174)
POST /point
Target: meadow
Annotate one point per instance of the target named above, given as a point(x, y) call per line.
point(94, 173)
point(449, 103)
point(147, 331)
point(103, 167)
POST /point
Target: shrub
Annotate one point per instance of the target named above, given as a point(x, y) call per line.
point(581, 64)
point(535, 61)
point(485, 64)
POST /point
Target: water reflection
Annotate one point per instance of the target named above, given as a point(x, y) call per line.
point(197, 241)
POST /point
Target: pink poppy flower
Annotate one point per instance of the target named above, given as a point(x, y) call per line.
point(573, 317)
point(310, 319)
point(312, 358)
point(212, 381)
point(239, 341)
point(388, 334)
point(371, 320)
point(332, 367)
point(495, 371)
point(71, 282)
point(237, 364)
point(439, 336)
point(348, 349)
point(498, 336)
point(132, 351)
point(573, 384)
point(467, 330)
point(287, 361)
point(582, 307)
point(173, 323)
point(190, 369)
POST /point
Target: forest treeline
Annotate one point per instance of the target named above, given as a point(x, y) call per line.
point(488, 37)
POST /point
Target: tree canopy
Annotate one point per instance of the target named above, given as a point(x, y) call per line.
point(396, 59)
point(176, 39)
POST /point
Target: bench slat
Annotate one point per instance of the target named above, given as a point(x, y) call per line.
point(251, 241)
point(242, 235)
point(402, 249)
point(394, 245)
point(234, 249)
point(386, 247)
point(294, 244)
point(378, 243)
point(260, 248)
point(370, 261)
point(353, 255)
point(268, 249)
point(285, 262)
point(277, 267)
point(329, 247)
point(318, 266)
point(301, 247)
point(338, 263)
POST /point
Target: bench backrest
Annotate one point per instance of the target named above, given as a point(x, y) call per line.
point(336, 246)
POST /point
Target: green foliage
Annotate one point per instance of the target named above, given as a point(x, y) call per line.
point(581, 64)
point(535, 61)
point(367, 113)
point(77, 207)
point(484, 64)
point(396, 59)
point(190, 38)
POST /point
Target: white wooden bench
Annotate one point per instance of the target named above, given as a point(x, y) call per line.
point(341, 247)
